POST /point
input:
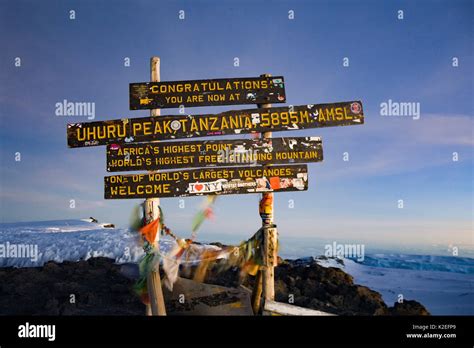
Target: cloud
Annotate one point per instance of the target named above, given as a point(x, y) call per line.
point(386, 230)
point(395, 145)
point(442, 129)
point(36, 197)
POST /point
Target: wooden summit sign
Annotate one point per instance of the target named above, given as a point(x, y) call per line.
point(210, 153)
point(207, 181)
point(173, 94)
point(226, 123)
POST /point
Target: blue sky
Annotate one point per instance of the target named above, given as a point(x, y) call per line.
point(391, 158)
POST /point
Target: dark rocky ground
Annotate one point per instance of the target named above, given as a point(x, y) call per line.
point(101, 287)
point(97, 285)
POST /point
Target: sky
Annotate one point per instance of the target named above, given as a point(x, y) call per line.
point(390, 158)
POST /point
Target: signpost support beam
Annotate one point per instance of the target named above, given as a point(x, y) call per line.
point(269, 234)
point(152, 212)
point(270, 245)
point(264, 281)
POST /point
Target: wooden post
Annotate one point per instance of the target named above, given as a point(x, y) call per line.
point(257, 293)
point(264, 281)
point(270, 242)
point(152, 212)
point(269, 235)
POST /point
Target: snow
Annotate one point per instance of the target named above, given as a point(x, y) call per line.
point(442, 293)
point(330, 262)
point(70, 240)
point(455, 264)
point(443, 284)
point(74, 240)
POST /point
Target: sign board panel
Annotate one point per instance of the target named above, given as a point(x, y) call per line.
point(211, 153)
point(207, 181)
point(230, 122)
point(173, 94)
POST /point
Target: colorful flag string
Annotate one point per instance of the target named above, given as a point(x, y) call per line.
point(171, 261)
point(248, 256)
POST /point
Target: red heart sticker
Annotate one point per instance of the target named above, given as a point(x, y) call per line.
point(198, 187)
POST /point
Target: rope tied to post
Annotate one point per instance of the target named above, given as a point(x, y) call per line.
point(248, 256)
point(153, 256)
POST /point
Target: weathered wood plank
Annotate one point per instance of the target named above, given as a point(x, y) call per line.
point(230, 122)
point(207, 181)
point(212, 153)
point(232, 91)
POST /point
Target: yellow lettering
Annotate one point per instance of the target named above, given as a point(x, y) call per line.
point(321, 117)
point(111, 131)
point(194, 126)
point(147, 128)
point(136, 128)
point(81, 136)
point(214, 127)
point(158, 129)
point(204, 123)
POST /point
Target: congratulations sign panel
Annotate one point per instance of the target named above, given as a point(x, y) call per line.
point(207, 181)
point(230, 122)
point(173, 94)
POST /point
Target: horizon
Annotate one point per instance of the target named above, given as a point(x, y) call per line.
point(297, 247)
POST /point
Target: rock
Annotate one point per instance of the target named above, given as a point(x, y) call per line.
point(118, 288)
point(52, 307)
point(101, 287)
point(408, 307)
point(310, 285)
point(101, 262)
point(97, 284)
point(69, 310)
point(282, 289)
point(217, 244)
point(51, 267)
